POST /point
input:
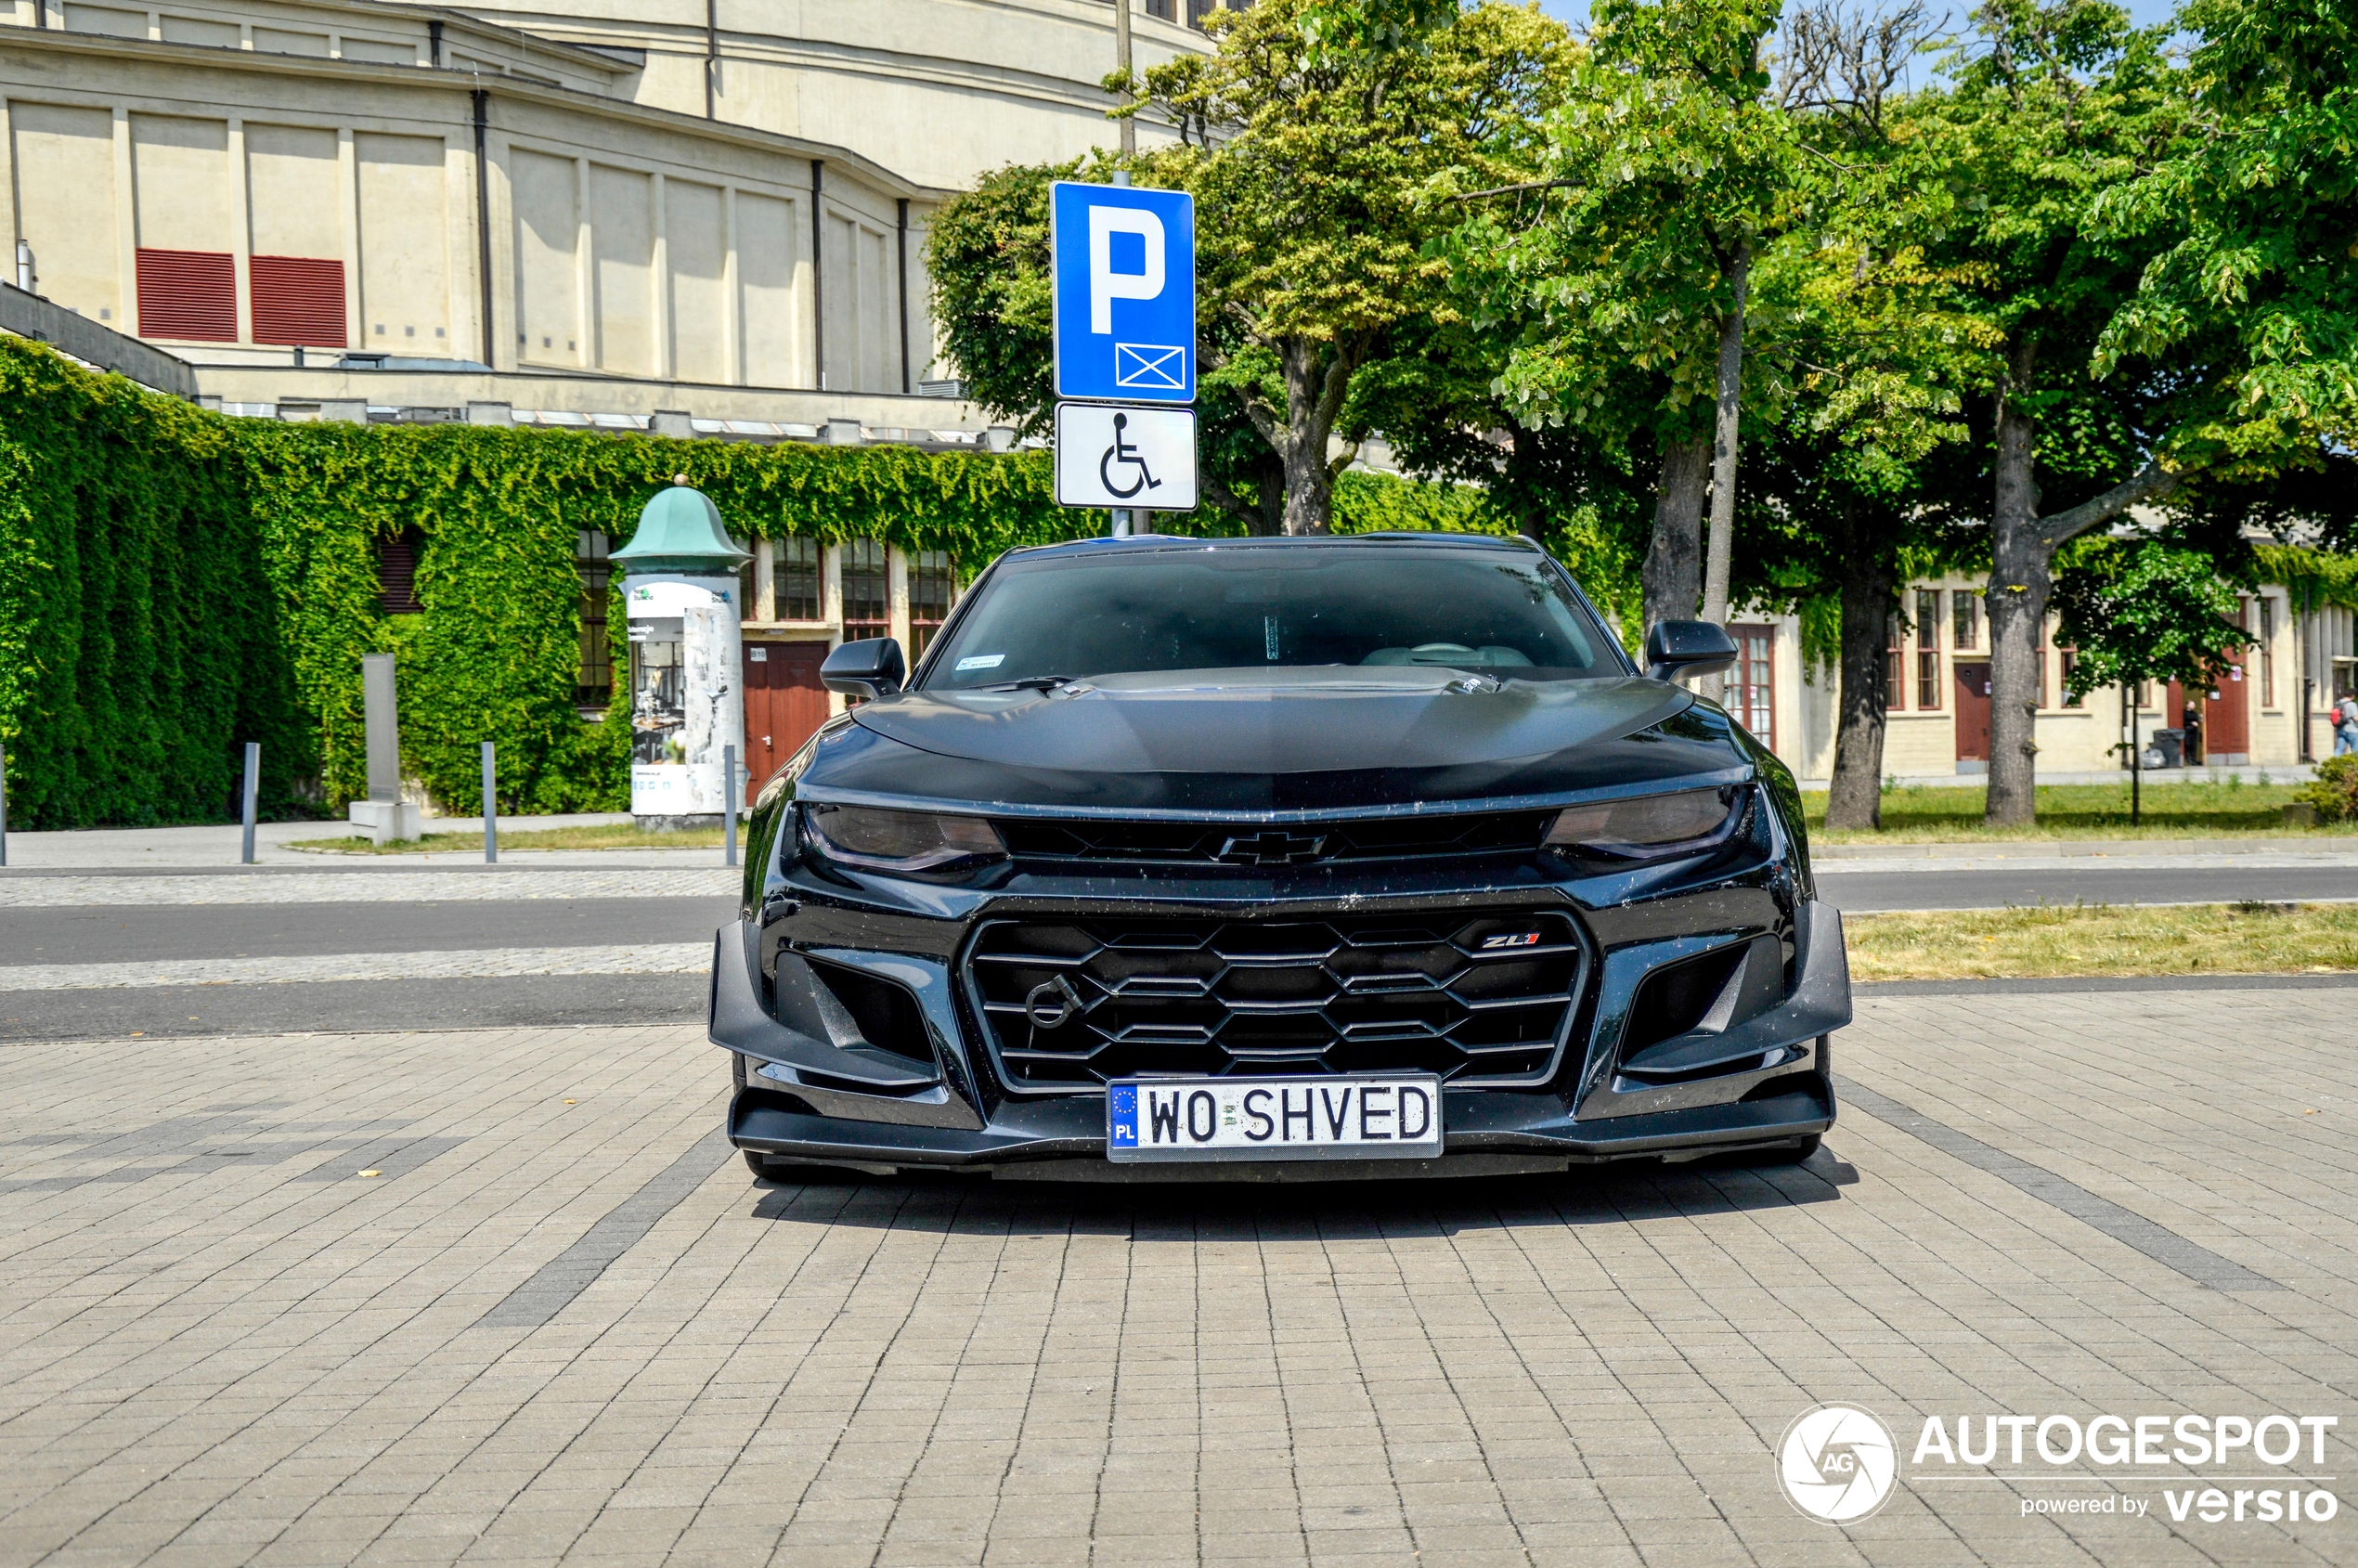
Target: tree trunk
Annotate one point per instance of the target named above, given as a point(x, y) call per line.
point(1673, 573)
point(1317, 375)
point(2017, 598)
point(1272, 496)
point(1524, 491)
point(1728, 395)
point(1310, 491)
point(1869, 593)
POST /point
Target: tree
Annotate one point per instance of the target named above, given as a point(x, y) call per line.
point(1308, 163)
point(1877, 358)
point(2055, 103)
point(1631, 255)
point(2142, 609)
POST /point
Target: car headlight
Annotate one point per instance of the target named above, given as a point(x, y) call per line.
point(1647, 826)
point(880, 841)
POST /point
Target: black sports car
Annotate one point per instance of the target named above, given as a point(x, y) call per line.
point(1268, 858)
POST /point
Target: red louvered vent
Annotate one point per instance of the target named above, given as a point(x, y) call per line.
point(191, 295)
point(397, 572)
point(297, 300)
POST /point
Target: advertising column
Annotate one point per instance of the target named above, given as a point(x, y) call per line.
point(679, 599)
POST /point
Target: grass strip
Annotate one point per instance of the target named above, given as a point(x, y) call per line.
point(1937, 814)
point(616, 836)
point(2038, 941)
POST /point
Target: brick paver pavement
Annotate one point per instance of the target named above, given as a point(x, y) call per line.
point(560, 1323)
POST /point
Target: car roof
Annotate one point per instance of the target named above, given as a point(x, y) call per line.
point(1150, 542)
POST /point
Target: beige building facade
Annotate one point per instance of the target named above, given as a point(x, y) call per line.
point(2270, 711)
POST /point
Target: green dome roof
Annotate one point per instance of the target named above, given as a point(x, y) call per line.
point(679, 531)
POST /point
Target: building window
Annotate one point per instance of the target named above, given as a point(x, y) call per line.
point(1927, 648)
point(1161, 9)
point(799, 581)
point(1965, 609)
point(2267, 652)
point(930, 577)
point(749, 577)
point(190, 296)
point(867, 591)
point(593, 683)
point(1894, 690)
point(2071, 661)
point(296, 300)
point(1753, 699)
point(397, 558)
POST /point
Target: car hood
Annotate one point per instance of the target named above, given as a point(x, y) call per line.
point(1261, 739)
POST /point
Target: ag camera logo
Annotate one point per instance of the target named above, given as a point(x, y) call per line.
point(1838, 1463)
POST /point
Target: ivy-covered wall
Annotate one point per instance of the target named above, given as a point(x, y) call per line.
point(174, 583)
point(140, 638)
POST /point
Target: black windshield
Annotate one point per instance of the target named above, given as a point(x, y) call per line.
point(1481, 611)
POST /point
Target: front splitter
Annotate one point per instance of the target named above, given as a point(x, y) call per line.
point(1488, 1134)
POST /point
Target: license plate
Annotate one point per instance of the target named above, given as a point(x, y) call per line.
point(1396, 1118)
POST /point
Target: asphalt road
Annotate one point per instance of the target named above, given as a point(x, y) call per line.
point(115, 934)
point(2063, 883)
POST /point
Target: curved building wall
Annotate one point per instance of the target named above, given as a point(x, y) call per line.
point(267, 187)
point(937, 90)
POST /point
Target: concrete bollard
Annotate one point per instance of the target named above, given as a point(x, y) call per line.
point(729, 798)
point(252, 794)
point(490, 807)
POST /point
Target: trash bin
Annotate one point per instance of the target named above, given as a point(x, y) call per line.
point(2167, 750)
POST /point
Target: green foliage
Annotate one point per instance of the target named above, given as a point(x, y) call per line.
point(140, 643)
point(2335, 789)
point(2047, 109)
point(173, 583)
point(1662, 159)
point(1311, 168)
point(2312, 578)
point(2142, 610)
point(2258, 289)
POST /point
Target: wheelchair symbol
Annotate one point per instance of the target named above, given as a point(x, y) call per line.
point(1123, 452)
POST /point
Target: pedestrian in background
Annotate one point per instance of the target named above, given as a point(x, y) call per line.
point(2345, 724)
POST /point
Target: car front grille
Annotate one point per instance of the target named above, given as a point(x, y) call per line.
point(1473, 997)
point(1163, 843)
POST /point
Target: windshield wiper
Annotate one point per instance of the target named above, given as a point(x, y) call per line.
point(1034, 684)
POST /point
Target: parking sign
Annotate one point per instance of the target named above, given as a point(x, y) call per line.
point(1126, 292)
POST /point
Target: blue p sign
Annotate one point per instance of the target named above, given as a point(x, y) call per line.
point(1126, 292)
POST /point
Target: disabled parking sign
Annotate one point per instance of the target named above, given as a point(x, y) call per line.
point(1115, 455)
point(1124, 261)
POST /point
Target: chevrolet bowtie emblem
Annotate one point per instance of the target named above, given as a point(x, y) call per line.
point(1272, 849)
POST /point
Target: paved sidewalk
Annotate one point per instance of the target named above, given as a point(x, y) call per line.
point(388, 884)
point(501, 1296)
point(217, 846)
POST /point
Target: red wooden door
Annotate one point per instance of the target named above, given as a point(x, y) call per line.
point(1973, 712)
point(784, 701)
point(2226, 715)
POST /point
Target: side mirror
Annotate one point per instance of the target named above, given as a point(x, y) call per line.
point(872, 667)
point(1676, 648)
